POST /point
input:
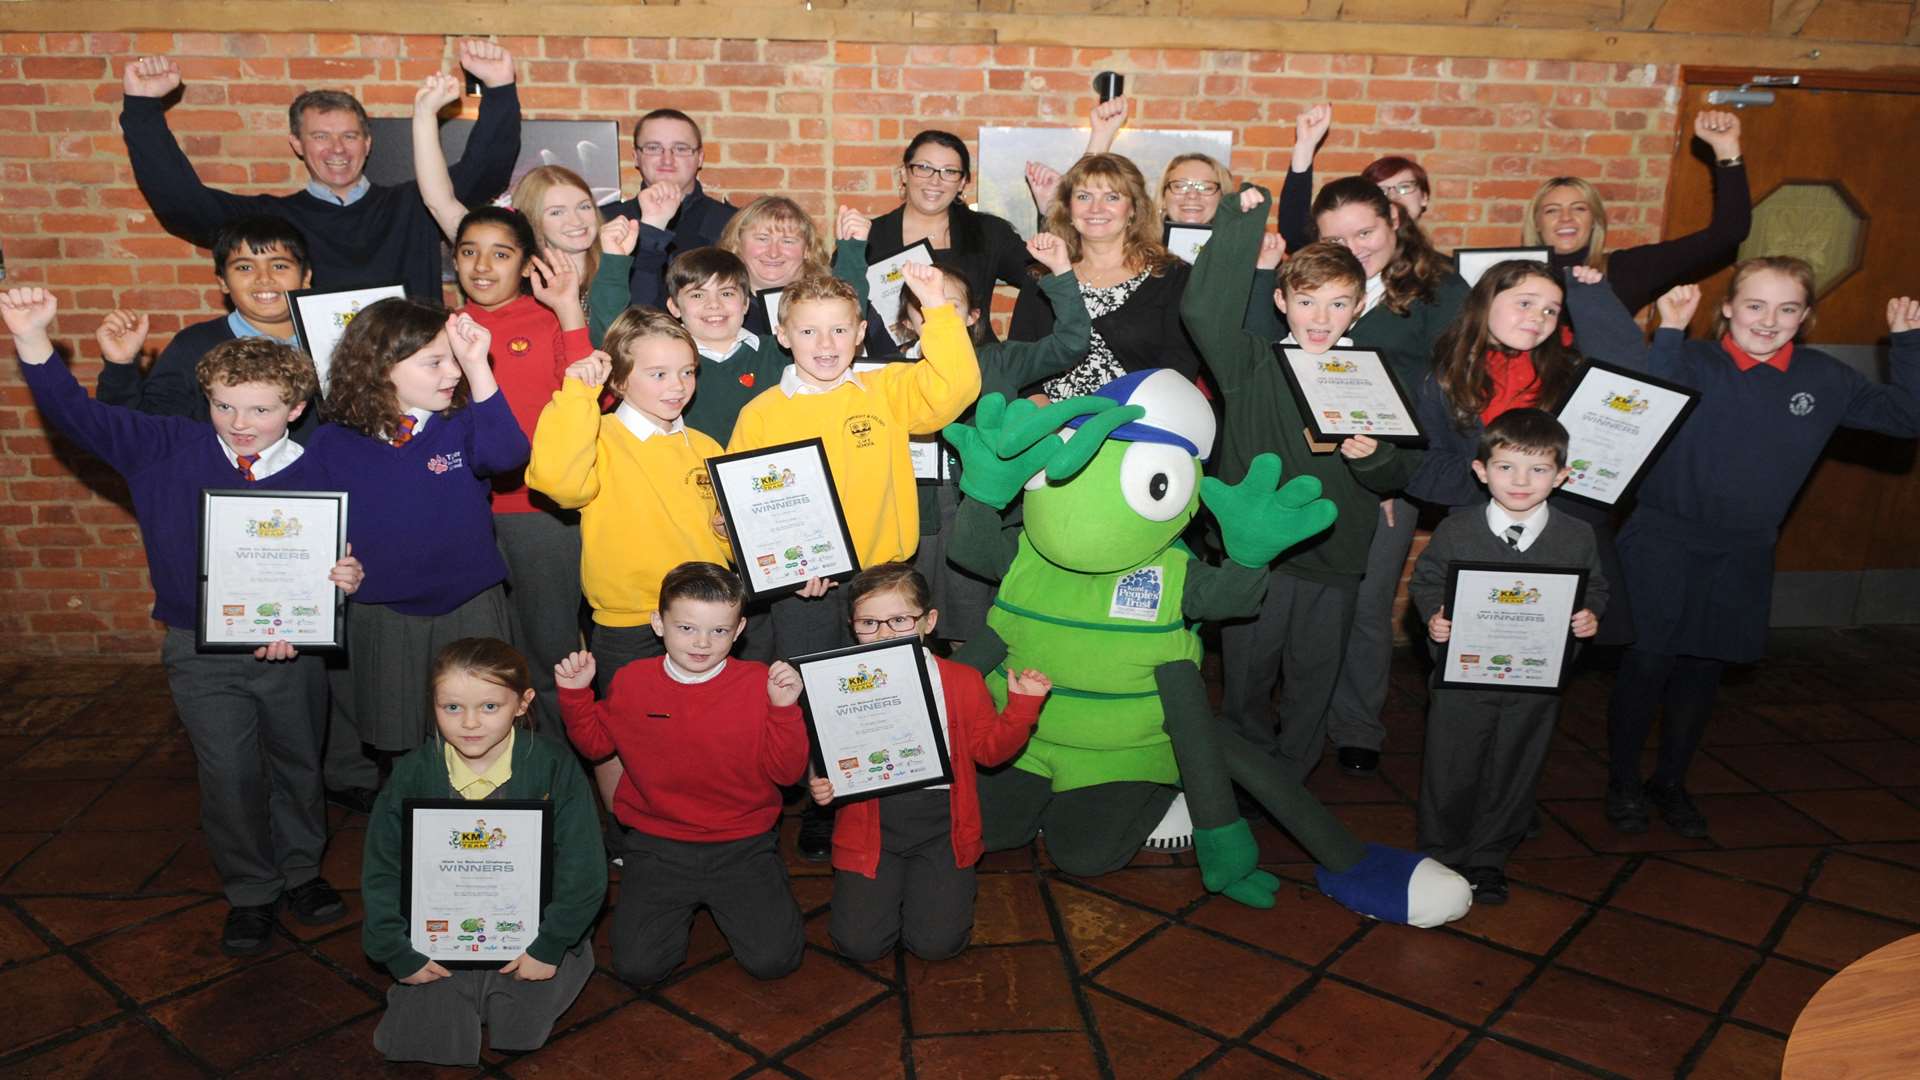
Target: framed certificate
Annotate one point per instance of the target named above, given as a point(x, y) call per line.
point(885, 284)
point(1473, 262)
point(783, 516)
point(871, 709)
point(1346, 392)
point(474, 877)
point(320, 318)
point(1187, 240)
point(1617, 422)
point(1510, 626)
point(929, 459)
point(264, 561)
point(770, 299)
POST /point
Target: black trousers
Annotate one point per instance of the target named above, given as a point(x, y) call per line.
point(1483, 758)
point(742, 882)
point(1685, 686)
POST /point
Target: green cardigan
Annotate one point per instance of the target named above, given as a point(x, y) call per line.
point(1261, 414)
point(542, 769)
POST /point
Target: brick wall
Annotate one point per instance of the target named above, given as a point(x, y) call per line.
point(823, 121)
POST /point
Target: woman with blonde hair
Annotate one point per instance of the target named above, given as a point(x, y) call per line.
point(560, 205)
point(1131, 283)
point(1568, 217)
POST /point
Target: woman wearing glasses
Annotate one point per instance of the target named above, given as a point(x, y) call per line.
point(1402, 181)
point(933, 173)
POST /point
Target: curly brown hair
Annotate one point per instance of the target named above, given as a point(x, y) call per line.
point(1143, 249)
point(258, 360)
point(360, 392)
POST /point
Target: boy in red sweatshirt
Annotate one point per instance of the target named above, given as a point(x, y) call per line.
point(707, 743)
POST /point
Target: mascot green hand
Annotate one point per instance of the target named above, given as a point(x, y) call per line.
point(1097, 590)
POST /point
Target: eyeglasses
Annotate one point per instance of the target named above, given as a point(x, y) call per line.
point(899, 624)
point(1193, 187)
point(927, 172)
point(1394, 191)
point(654, 149)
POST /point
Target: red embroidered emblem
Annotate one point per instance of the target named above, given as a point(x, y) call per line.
point(519, 345)
point(746, 379)
point(437, 464)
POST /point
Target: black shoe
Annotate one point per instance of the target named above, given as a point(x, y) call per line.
point(1489, 885)
point(1677, 810)
point(1627, 810)
point(1358, 760)
point(816, 834)
point(315, 903)
point(357, 799)
point(249, 930)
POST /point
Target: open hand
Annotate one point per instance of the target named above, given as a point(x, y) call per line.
point(489, 61)
point(1050, 251)
point(150, 76)
point(1678, 305)
point(1029, 682)
point(574, 671)
point(1260, 517)
point(556, 281)
point(1903, 314)
point(120, 336)
point(783, 684)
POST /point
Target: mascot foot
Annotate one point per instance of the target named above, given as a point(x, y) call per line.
point(1174, 834)
point(1229, 860)
point(1399, 887)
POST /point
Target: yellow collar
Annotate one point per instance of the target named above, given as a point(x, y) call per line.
point(473, 785)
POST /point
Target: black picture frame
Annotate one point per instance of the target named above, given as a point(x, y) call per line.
point(1442, 681)
point(740, 554)
point(304, 334)
point(1312, 415)
point(769, 300)
point(1632, 485)
point(917, 650)
point(1485, 257)
point(1172, 229)
point(203, 639)
point(479, 806)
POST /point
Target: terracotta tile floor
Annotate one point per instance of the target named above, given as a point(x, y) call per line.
point(1629, 956)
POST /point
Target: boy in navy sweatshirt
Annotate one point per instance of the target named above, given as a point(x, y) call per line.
point(707, 743)
point(255, 721)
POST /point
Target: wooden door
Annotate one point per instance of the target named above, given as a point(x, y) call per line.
point(1860, 510)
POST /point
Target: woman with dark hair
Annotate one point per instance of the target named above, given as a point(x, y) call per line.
point(934, 172)
point(1402, 180)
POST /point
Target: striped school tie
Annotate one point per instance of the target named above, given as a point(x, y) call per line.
point(245, 464)
point(1512, 535)
point(405, 435)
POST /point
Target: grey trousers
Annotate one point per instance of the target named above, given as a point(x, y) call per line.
point(440, 1021)
point(256, 730)
point(346, 765)
point(1353, 718)
point(391, 655)
point(1296, 637)
point(802, 626)
point(614, 647)
point(1484, 753)
point(542, 550)
point(917, 896)
point(962, 599)
point(742, 882)
point(1090, 831)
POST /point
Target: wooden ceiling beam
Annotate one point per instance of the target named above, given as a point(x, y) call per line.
point(1790, 15)
point(1640, 14)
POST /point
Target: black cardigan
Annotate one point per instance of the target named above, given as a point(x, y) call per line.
point(1145, 333)
point(997, 253)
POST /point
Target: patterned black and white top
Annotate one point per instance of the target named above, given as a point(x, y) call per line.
point(1100, 367)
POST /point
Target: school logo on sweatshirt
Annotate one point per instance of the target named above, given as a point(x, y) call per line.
point(860, 429)
point(444, 463)
point(1800, 404)
point(519, 346)
point(746, 379)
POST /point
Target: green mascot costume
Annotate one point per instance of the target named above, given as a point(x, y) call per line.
point(1097, 591)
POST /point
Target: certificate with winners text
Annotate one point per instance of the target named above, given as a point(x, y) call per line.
point(264, 561)
point(320, 319)
point(1617, 423)
point(1511, 626)
point(475, 876)
point(874, 715)
point(1346, 392)
point(783, 516)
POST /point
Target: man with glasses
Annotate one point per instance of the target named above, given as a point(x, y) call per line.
point(669, 151)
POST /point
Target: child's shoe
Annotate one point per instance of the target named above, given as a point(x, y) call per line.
point(816, 833)
point(1489, 884)
point(1627, 810)
point(314, 903)
point(1677, 810)
point(249, 930)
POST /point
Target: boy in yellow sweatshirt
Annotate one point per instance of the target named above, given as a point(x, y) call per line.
point(863, 418)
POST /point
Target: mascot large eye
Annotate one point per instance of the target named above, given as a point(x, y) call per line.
point(1157, 480)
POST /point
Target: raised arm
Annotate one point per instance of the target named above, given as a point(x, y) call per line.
point(1893, 408)
point(436, 92)
point(1104, 123)
point(1296, 195)
point(1640, 274)
point(566, 441)
point(183, 204)
point(1603, 328)
point(1013, 364)
point(1215, 304)
point(935, 390)
point(611, 290)
point(486, 168)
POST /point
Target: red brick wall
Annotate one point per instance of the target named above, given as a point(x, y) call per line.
point(821, 121)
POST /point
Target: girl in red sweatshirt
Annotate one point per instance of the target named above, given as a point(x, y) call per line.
point(903, 863)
